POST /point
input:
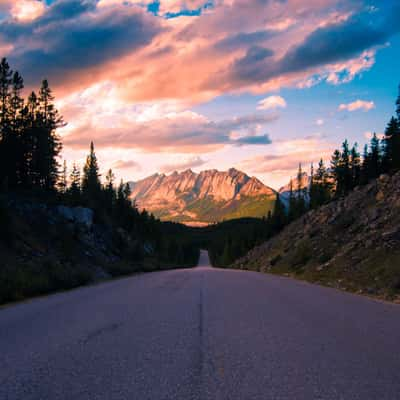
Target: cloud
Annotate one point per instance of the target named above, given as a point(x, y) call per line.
point(272, 102)
point(255, 46)
point(253, 140)
point(357, 105)
point(168, 7)
point(320, 122)
point(126, 164)
point(244, 39)
point(333, 43)
point(72, 37)
point(163, 127)
point(248, 66)
point(152, 70)
point(335, 51)
point(189, 163)
point(27, 10)
point(285, 156)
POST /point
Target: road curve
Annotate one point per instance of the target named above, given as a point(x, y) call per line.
point(200, 334)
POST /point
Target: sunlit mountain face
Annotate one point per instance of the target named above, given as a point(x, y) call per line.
point(204, 198)
point(176, 84)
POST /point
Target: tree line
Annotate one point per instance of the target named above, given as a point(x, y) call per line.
point(347, 170)
point(29, 166)
point(29, 145)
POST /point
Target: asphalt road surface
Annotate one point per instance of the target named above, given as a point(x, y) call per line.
point(200, 334)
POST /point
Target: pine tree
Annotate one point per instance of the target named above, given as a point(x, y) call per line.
point(110, 178)
point(365, 166)
point(6, 156)
point(391, 152)
point(278, 215)
point(127, 192)
point(345, 169)
point(16, 129)
point(292, 212)
point(355, 166)
point(374, 158)
point(313, 195)
point(301, 194)
point(398, 106)
point(63, 180)
point(5, 93)
point(29, 142)
point(16, 101)
point(109, 190)
point(48, 142)
point(324, 184)
point(74, 189)
point(320, 191)
point(91, 186)
point(336, 171)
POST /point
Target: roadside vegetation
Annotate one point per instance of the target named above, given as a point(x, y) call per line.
point(41, 252)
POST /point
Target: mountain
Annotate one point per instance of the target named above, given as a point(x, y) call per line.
point(202, 198)
point(352, 243)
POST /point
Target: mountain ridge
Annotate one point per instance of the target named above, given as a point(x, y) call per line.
point(205, 197)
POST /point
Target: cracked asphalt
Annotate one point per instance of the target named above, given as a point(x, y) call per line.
point(200, 333)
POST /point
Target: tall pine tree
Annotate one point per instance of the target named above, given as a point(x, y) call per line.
point(74, 190)
point(48, 142)
point(7, 159)
point(91, 186)
point(355, 166)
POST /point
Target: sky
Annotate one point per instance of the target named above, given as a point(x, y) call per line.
point(259, 85)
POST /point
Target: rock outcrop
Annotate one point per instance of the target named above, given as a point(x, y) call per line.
point(208, 196)
point(352, 243)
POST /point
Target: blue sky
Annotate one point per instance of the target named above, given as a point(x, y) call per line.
point(176, 84)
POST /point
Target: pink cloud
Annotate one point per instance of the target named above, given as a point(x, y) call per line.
point(289, 153)
point(27, 10)
point(163, 126)
point(357, 105)
point(186, 47)
point(126, 164)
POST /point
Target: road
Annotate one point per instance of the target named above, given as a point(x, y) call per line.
point(200, 334)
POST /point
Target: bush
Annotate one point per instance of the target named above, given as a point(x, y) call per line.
point(276, 259)
point(22, 281)
point(301, 255)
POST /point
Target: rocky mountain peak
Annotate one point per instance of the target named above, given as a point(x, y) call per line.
point(180, 192)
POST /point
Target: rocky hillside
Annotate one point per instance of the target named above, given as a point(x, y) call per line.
point(352, 243)
point(44, 248)
point(205, 197)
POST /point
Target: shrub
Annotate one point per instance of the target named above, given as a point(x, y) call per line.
point(301, 255)
point(22, 281)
